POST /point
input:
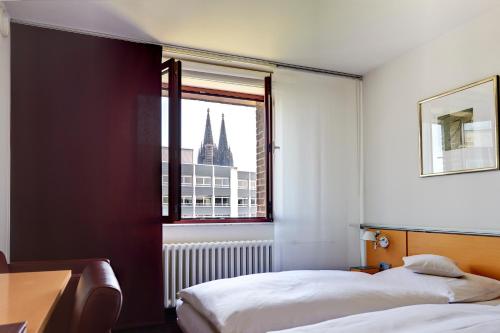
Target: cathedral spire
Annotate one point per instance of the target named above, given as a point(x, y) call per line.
point(208, 150)
point(225, 156)
point(209, 139)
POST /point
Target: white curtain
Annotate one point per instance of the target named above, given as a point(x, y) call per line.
point(317, 196)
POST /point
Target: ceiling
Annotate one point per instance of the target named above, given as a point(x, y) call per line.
point(353, 36)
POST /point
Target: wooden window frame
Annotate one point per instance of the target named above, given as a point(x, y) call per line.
point(173, 68)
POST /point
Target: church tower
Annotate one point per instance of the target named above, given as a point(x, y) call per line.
point(208, 150)
point(225, 156)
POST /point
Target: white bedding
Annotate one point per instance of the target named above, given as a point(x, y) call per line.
point(429, 318)
point(190, 321)
point(274, 301)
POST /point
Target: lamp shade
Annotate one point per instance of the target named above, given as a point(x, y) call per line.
point(369, 236)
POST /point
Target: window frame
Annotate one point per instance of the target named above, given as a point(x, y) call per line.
point(227, 204)
point(173, 68)
point(243, 187)
point(186, 183)
point(243, 204)
point(208, 202)
point(222, 178)
point(190, 197)
point(204, 178)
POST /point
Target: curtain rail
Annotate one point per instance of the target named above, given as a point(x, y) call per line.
point(212, 54)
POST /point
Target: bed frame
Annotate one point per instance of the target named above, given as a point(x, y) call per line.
point(477, 254)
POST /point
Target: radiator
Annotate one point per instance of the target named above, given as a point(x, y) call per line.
point(192, 263)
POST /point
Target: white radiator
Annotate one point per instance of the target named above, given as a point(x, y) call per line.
point(192, 263)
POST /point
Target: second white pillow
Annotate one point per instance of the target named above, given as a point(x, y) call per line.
point(433, 265)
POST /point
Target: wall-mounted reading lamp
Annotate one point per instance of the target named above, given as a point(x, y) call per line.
point(377, 238)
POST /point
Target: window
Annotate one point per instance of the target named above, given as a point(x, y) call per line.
point(203, 181)
point(164, 179)
point(221, 182)
point(242, 184)
point(222, 201)
point(186, 180)
point(204, 201)
point(186, 200)
point(215, 128)
point(165, 200)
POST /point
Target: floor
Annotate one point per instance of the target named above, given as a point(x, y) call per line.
point(170, 325)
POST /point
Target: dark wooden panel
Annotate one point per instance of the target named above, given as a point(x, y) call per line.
point(86, 165)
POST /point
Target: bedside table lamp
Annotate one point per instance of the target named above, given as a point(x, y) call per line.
point(376, 238)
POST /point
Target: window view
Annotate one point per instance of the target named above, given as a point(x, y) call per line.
point(223, 151)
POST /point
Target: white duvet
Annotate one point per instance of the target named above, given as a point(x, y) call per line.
point(463, 318)
point(274, 301)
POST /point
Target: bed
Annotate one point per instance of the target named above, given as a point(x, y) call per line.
point(277, 301)
point(270, 301)
point(429, 318)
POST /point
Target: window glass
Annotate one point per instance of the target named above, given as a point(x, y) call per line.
point(204, 201)
point(186, 180)
point(222, 145)
point(221, 182)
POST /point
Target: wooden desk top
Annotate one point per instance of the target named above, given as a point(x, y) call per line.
point(30, 297)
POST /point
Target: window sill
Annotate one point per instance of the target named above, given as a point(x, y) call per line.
point(216, 224)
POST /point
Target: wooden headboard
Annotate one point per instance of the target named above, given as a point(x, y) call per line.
point(393, 254)
point(475, 254)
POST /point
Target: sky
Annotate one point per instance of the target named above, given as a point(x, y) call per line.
point(240, 129)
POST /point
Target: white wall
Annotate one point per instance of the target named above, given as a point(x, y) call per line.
point(189, 233)
point(394, 193)
point(316, 197)
point(4, 143)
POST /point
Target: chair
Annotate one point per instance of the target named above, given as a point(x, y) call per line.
point(13, 328)
point(4, 267)
point(98, 300)
point(60, 319)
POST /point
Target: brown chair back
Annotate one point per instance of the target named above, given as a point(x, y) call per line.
point(4, 267)
point(13, 328)
point(98, 300)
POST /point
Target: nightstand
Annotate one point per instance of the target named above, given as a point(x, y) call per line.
point(365, 269)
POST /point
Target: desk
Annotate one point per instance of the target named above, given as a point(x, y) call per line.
point(31, 297)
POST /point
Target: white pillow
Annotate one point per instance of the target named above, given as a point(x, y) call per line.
point(433, 265)
point(469, 288)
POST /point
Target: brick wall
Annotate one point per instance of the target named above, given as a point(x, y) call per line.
point(261, 160)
